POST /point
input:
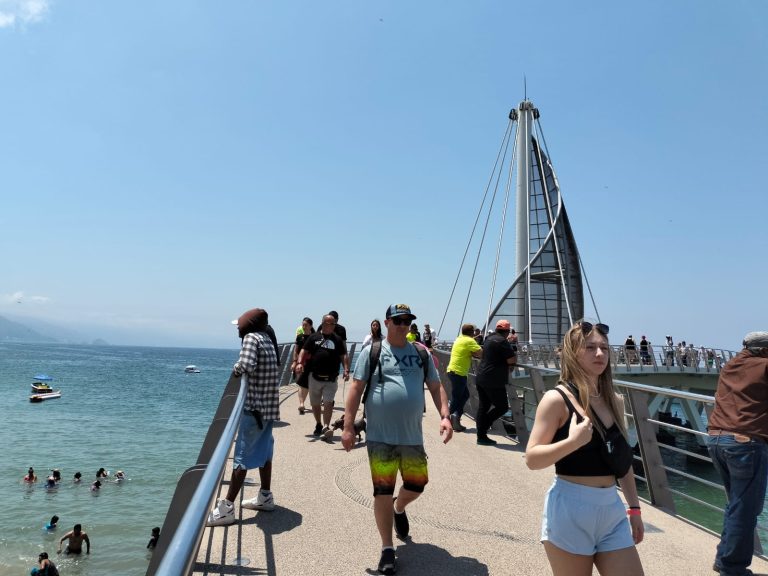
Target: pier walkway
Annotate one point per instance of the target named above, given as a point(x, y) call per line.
point(479, 515)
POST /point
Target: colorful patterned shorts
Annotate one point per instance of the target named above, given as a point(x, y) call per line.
point(385, 461)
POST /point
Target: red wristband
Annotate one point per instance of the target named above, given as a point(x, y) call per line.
point(634, 512)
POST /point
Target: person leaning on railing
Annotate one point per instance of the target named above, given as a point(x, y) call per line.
point(738, 445)
point(579, 427)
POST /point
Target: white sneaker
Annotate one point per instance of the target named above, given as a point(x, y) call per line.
point(222, 514)
point(264, 501)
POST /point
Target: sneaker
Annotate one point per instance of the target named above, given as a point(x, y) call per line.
point(222, 514)
point(387, 564)
point(318, 430)
point(402, 526)
point(264, 501)
point(485, 441)
point(327, 434)
point(456, 423)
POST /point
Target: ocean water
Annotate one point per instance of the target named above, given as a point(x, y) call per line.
point(122, 408)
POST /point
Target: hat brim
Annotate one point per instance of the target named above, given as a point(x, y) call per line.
point(409, 316)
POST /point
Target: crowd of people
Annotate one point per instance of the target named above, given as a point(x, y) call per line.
point(578, 428)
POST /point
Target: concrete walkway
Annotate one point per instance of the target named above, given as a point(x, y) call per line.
point(479, 515)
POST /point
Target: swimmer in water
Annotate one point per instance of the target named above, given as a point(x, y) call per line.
point(119, 476)
point(44, 566)
point(76, 537)
point(50, 482)
point(95, 486)
point(102, 473)
point(56, 475)
point(77, 477)
point(153, 541)
point(30, 477)
point(52, 524)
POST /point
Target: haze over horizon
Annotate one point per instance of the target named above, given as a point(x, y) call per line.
point(170, 165)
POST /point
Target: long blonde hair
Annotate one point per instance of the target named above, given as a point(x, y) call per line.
point(572, 372)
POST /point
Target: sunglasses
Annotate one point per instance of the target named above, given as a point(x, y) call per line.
point(586, 328)
point(401, 321)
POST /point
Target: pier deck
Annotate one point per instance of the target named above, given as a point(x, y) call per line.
point(479, 515)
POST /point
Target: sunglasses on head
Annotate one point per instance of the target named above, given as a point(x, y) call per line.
point(401, 321)
point(586, 328)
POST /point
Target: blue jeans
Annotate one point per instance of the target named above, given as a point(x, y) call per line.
point(459, 393)
point(743, 466)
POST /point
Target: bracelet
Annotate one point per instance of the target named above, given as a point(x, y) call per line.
point(634, 507)
point(634, 512)
point(445, 418)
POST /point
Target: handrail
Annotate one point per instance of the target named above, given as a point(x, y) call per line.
point(185, 530)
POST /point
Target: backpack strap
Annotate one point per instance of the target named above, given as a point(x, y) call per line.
point(424, 355)
point(373, 363)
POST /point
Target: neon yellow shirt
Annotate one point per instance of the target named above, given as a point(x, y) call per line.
point(461, 354)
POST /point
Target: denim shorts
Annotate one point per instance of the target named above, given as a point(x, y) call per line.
point(585, 520)
point(254, 446)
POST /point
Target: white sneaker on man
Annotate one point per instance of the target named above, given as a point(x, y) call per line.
point(222, 514)
point(264, 501)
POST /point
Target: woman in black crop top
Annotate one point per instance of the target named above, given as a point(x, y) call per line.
point(585, 523)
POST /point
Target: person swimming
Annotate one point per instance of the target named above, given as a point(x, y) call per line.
point(153, 541)
point(95, 486)
point(77, 477)
point(30, 477)
point(52, 524)
point(119, 476)
point(50, 482)
point(102, 473)
point(56, 475)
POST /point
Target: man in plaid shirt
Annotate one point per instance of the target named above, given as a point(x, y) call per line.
point(255, 444)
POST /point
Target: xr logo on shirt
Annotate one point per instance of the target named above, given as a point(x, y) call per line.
point(408, 361)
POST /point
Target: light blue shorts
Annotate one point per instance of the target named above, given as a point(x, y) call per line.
point(254, 446)
point(585, 520)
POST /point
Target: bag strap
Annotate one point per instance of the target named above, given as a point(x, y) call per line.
point(373, 363)
point(568, 403)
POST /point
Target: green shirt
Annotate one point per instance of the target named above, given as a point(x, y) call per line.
point(461, 355)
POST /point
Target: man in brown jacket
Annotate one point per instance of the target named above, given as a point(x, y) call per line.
point(738, 444)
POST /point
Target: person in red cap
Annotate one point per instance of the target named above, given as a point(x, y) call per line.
point(255, 443)
point(492, 377)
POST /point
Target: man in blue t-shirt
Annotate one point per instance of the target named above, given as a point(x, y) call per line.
point(394, 438)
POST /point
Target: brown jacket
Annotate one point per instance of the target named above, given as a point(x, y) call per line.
point(741, 401)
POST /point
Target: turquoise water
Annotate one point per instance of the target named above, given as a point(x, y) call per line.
point(127, 408)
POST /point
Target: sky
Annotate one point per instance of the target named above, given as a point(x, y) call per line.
point(165, 166)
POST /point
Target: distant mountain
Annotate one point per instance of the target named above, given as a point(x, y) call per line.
point(11, 331)
point(19, 329)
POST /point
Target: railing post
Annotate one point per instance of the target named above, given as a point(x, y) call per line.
point(655, 475)
point(517, 412)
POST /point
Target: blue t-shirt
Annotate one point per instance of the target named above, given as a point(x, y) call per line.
point(395, 405)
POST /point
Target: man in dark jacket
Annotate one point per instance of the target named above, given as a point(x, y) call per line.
point(738, 445)
point(492, 376)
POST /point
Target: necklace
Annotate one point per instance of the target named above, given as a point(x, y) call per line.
point(595, 395)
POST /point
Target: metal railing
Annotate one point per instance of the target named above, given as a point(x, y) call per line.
point(184, 523)
point(657, 468)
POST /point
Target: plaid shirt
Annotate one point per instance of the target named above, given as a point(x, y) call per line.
point(258, 359)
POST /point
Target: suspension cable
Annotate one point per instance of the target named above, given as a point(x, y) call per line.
point(477, 219)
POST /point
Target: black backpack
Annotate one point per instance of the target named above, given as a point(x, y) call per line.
point(373, 363)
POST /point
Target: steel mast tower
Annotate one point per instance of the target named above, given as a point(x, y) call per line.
point(547, 296)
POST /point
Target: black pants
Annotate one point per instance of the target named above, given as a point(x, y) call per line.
point(493, 404)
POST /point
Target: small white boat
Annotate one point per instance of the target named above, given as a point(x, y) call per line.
point(192, 369)
point(45, 396)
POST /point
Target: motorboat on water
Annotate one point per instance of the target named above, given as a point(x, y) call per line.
point(191, 369)
point(41, 389)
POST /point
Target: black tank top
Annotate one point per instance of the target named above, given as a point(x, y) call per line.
point(585, 461)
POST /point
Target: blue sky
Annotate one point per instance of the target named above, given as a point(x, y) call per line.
point(167, 165)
